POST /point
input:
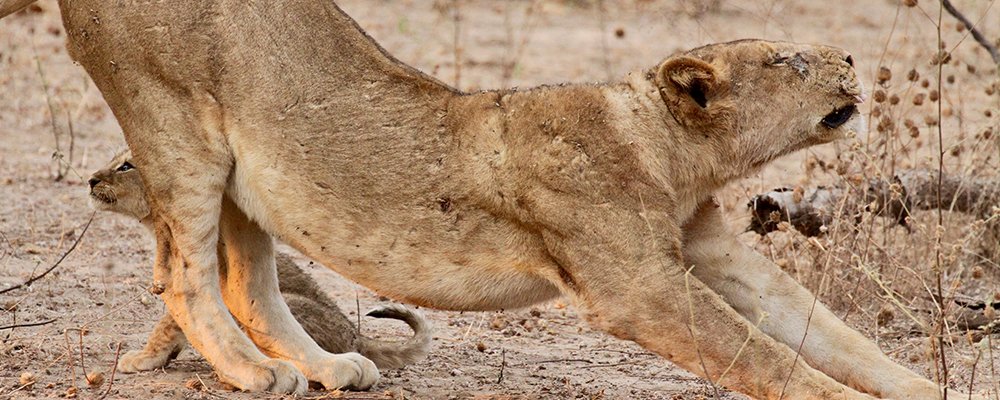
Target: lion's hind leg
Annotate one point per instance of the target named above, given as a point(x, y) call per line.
point(163, 345)
point(253, 296)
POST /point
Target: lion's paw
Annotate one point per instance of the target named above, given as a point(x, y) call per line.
point(270, 375)
point(350, 371)
point(920, 389)
point(141, 360)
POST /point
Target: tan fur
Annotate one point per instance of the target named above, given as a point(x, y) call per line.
point(283, 118)
point(118, 188)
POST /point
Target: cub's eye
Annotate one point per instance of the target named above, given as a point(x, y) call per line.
point(124, 167)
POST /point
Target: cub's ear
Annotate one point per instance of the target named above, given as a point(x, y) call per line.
point(687, 83)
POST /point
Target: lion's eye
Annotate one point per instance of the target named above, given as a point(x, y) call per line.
point(124, 167)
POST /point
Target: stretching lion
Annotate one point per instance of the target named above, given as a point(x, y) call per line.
point(253, 119)
point(118, 188)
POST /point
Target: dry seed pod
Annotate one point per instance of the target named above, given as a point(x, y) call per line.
point(988, 113)
point(913, 75)
point(930, 120)
point(918, 99)
point(885, 315)
point(876, 112)
point(933, 95)
point(914, 132)
point(950, 79)
point(884, 74)
point(910, 3)
point(886, 124)
point(925, 83)
point(878, 96)
point(894, 99)
point(908, 123)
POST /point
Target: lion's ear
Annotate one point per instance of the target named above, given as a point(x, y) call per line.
point(687, 83)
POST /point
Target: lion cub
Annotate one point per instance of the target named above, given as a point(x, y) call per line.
point(118, 188)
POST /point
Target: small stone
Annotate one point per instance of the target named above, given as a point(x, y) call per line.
point(498, 323)
point(481, 346)
point(70, 393)
point(95, 379)
point(32, 248)
point(456, 372)
point(27, 379)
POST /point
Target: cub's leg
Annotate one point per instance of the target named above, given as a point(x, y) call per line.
point(631, 283)
point(185, 175)
point(753, 285)
point(251, 292)
point(163, 345)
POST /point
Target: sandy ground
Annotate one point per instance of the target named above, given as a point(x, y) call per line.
point(542, 352)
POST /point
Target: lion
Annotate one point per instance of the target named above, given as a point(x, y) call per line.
point(285, 119)
point(118, 188)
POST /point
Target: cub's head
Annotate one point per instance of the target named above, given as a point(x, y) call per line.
point(118, 188)
point(751, 101)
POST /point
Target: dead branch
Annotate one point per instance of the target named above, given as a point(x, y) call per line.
point(811, 212)
point(27, 325)
point(976, 34)
point(114, 368)
point(46, 272)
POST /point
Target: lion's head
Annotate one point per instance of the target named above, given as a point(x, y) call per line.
point(118, 188)
point(753, 100)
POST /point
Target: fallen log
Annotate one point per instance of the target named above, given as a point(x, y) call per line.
point(811, 211)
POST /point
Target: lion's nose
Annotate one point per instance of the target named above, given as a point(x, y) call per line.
point(849, 59)
point(93, 182)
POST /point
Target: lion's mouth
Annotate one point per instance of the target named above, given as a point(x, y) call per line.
point(839, 117)
point(102, 197)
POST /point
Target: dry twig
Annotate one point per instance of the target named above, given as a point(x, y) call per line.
point(976, 34)
point(28, 325)
point(63, 257)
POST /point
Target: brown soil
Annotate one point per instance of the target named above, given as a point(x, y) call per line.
point(544, 352)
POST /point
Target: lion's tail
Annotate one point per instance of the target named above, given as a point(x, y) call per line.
point(392, 355)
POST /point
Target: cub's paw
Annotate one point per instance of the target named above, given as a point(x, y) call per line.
point(270, 375)
point(141, 360)
point(350, 371)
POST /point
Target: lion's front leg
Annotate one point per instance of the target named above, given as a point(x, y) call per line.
point(757, 289)
point(163, 345)
point(185, 165)
point(252, 295)
point(625, 271)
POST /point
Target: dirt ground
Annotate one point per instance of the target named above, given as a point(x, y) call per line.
point(542, 352)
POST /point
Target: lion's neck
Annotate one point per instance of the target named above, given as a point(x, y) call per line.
point(691, 169)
